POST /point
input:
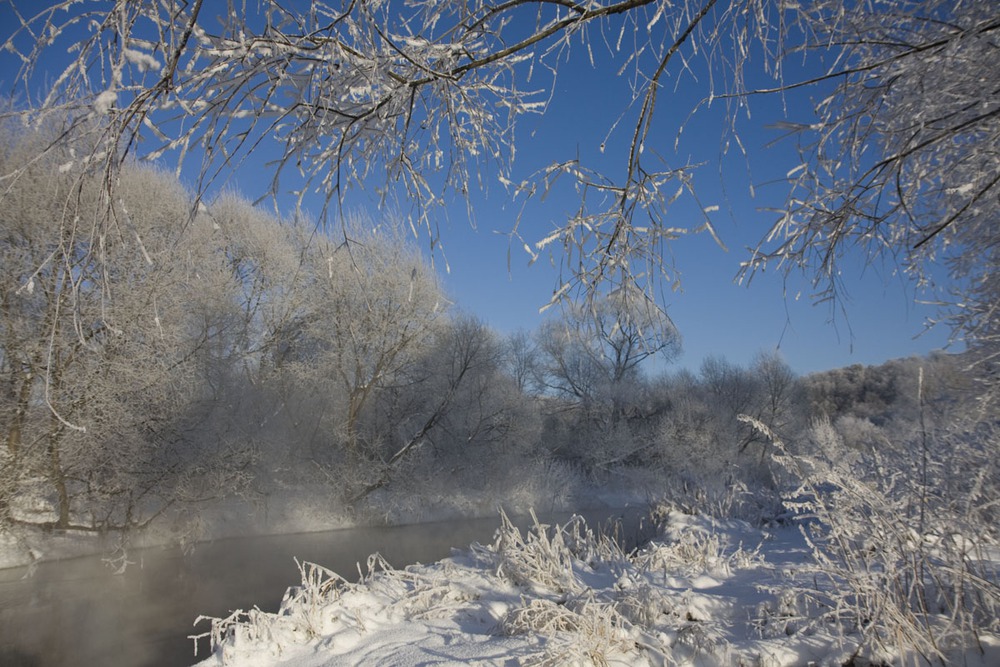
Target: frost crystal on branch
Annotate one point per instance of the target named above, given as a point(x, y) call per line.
point(418, 101)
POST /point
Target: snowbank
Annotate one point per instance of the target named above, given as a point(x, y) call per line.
point(554, 596)
point(707, 592)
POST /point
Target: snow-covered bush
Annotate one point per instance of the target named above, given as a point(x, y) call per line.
point(692, 547)
point(586, 601)
point(902, 542)
point(858, 433)
point(545, 557)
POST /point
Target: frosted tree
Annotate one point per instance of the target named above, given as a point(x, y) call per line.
point(421, 101)
point(520, 360)
point(365, 309)
point(902, 160)
point(102, 401)
point(590, 361)
point(765, 390)
point(594, 354)
point(453, 408)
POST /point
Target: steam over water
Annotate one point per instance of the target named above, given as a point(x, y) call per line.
point(77, 612)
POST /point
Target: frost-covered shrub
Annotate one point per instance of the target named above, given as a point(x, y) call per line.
point(603, 446)
point(821, 441)
point(858, 433)
point(687, 448)
point(545, 557)
point(583, 631)
point(542, 483)
point(657, 605)
point(726, 497)
point(692, 545)
point(900, 542)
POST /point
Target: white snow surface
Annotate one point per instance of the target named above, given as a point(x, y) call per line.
point(707, 592)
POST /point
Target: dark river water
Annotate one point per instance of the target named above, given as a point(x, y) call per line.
point(78, 612)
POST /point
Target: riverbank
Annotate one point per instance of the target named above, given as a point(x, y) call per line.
point(80, 612)
point(705, 592)
point(305, 510)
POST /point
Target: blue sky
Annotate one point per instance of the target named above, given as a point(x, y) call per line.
point(882, 317)
point(714, 314)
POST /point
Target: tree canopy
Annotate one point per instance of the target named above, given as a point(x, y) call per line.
point(421, 101)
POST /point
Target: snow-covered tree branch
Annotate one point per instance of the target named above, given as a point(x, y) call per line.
point(420, 102)
point(902, 160)
point(417, 100)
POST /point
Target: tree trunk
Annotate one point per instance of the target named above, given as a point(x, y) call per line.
point(355, 401)
point(17, 421)
point(57, 476)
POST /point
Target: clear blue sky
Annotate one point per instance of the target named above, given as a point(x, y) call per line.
point(881, 317)
point(715, 316)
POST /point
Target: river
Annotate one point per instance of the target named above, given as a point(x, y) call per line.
point(77, 612)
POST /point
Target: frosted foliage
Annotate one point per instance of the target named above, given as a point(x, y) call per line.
point(365, 309)
point(348, 90)
point(595, 351)
point(108, 411)
point(902, 159)
point(419, 100)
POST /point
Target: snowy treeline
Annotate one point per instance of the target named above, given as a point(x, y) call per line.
point(208, 350)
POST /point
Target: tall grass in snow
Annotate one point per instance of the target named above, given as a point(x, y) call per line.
point(904, 551)
point(570, 594)
point(592, 603)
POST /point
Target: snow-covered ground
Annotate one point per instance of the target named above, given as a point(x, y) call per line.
point(707, 592)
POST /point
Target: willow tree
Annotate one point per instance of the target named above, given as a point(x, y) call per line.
point(422, 100)
point(365, 310)
point(100, 398)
